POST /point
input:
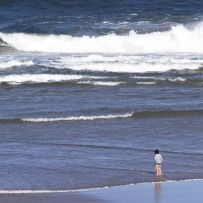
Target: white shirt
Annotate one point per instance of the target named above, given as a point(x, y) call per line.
point(158, 159)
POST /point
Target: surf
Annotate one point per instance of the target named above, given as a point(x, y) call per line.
point(78, 118)
point(179, 39)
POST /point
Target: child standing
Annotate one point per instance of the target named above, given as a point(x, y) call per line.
point(158, 161)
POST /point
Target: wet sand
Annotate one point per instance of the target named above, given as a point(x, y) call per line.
point(50, 198)
point(160, 192)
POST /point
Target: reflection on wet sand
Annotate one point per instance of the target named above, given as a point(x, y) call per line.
point(158, 190)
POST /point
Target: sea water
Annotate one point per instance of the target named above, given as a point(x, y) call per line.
point(88, 90)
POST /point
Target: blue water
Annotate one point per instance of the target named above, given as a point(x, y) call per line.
point(90, 88)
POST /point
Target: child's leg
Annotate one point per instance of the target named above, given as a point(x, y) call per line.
point(159, 172)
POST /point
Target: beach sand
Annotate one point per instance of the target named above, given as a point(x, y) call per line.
point(160, 192)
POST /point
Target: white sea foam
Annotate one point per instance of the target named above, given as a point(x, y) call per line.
point(131, 68)
point(15, 63)
point(129, 63)
point(145, 83)
point(37, 78)
point(179, 39)
point(78, 118)
point(144, 77)
point(100, 83)
point(180, 79)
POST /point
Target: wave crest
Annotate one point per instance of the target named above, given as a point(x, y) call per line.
point(79, 118)
point(178, 40)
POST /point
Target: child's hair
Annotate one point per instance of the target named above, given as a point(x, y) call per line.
point(156, 151)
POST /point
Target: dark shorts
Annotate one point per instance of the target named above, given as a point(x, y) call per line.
point(158, 164)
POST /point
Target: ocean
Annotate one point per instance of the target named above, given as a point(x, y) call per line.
point(90, 88)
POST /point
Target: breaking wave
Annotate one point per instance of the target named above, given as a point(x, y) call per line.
point(179, 39)
point(15, 63)
point(79, 118)
point(37, 78)
point(135, 115)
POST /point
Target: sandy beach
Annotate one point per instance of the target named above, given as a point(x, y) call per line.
point(160, 192)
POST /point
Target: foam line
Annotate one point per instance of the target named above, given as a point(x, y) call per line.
point(100, 83)
point(79, 118)
point(37, 78)
point(88, 189)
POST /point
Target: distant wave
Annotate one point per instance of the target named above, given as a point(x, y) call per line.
point(177, 40)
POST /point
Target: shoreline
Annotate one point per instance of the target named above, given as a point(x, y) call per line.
point(157, 192)
point(39, 191)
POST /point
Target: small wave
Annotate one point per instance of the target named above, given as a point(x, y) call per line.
point(79, 118)
point(168, 80)
point(37, 78)
point(137, 115)
point(179, 79)
point(15, 63)
point(100, 83)
point(145, 83)
point(144, 77)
